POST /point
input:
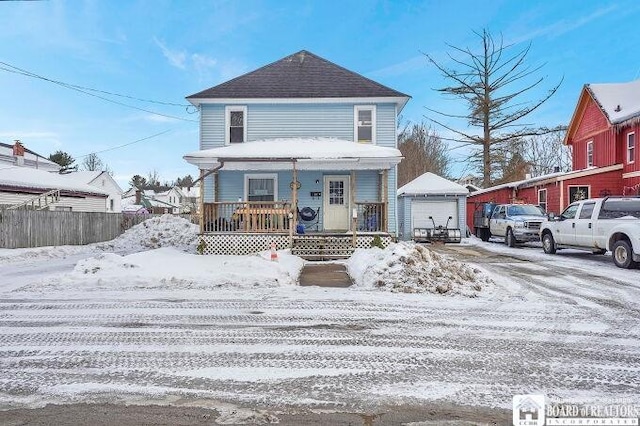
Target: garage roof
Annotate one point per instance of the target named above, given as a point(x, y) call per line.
point(432, 184)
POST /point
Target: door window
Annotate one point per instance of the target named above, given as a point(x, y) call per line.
point(336, 192)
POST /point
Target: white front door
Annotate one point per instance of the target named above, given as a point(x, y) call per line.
point(336, 203)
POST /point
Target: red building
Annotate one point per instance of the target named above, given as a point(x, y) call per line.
point(602, 136)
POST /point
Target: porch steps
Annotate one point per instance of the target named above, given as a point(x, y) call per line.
point(322, 247)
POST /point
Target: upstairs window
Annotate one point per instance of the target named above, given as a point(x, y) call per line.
point(365, 123)
point(236, 124)
point(590, 154)
point(631, 147)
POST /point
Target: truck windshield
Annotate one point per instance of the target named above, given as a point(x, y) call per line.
point(524, 210)
point(617, 208)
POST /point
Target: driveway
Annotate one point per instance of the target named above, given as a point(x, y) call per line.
point(565, 326)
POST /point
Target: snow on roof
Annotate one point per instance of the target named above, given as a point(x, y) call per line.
point(307, 151)
point(191, 192)
point(83, 176)
point(430, 183)
point(7, 151)
point(26, 177)
point(620, 101)
point(517, 183)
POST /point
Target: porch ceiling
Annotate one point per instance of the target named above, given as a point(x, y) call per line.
point(307, 153)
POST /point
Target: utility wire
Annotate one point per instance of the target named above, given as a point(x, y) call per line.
point(87, 91)
point(126, 144)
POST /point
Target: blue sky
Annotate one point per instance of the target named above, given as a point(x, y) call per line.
point(164, 51)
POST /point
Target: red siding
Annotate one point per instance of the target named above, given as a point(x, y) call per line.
point(593, 121)
point(593, 126)
point(622, 138)
point(501, 196)
point(631, 186)
point(601, 185)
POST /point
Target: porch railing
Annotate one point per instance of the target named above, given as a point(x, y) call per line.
point(371, 217)
point(274, 217)
point(247, 216)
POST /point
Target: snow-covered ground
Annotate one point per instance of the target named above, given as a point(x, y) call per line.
point(83, 324)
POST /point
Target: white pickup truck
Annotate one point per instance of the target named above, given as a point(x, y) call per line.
point(597, 225)
point(516, 223)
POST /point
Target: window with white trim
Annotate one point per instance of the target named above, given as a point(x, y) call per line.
point(364, 118)
point(261, 187)
point(631, 147)
point(111, 205)
point(235, 124)
point(589, 153)
point(579, 192)
point(542, 199)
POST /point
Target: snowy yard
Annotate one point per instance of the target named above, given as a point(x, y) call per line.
point(113, 323)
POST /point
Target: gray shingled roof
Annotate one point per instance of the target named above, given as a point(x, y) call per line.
point(301, 75)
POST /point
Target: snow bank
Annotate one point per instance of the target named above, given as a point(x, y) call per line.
point(412, 268)
point(170, 269)
point(162, 231)
point(40, 253)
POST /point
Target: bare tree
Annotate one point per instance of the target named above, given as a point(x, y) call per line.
point(493, 82)
point(92, 163)
point(547, 153)
point(510, 162)
point(423, 151)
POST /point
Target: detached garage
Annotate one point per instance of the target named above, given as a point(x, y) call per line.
point(431, 195)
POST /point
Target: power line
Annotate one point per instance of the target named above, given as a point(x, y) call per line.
point(126, 144)
point(87, 91)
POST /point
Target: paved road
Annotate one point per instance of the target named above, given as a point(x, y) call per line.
point(551, 325)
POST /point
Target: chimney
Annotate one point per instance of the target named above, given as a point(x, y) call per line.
point(18, 153)
point(138, 197)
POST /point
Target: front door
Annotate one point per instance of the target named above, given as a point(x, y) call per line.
point(336, 203)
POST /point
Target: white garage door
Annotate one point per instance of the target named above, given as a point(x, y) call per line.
point(440, 210)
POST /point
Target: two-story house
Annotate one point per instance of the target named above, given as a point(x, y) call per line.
point(296, 147)
point(602, 135)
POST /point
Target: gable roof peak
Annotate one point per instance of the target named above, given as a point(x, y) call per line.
point(299, 75)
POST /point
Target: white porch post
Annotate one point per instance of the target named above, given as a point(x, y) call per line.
point(201, 201)
point(294, 204)
point(385, 199)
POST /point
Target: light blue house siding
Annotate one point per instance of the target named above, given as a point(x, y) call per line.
point(270, 121)
point(291, 120)
point(405, 230)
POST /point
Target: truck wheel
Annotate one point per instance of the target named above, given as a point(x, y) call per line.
point(485, 234)
point(623, 254)
point(510, 239)
point(548, 244)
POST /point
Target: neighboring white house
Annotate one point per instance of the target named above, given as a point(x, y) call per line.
point(190, 201)
point(431, 195)
point(26, 176)
point(135, 201)
point(18, 155)
point(171, 196)
point(104, 182)
point(21, 184)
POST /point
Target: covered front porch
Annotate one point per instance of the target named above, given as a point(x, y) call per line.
point(296, 192)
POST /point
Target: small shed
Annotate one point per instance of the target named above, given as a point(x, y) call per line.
point(431, 195)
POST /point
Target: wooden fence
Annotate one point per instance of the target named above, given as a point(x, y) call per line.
point(38, 228)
